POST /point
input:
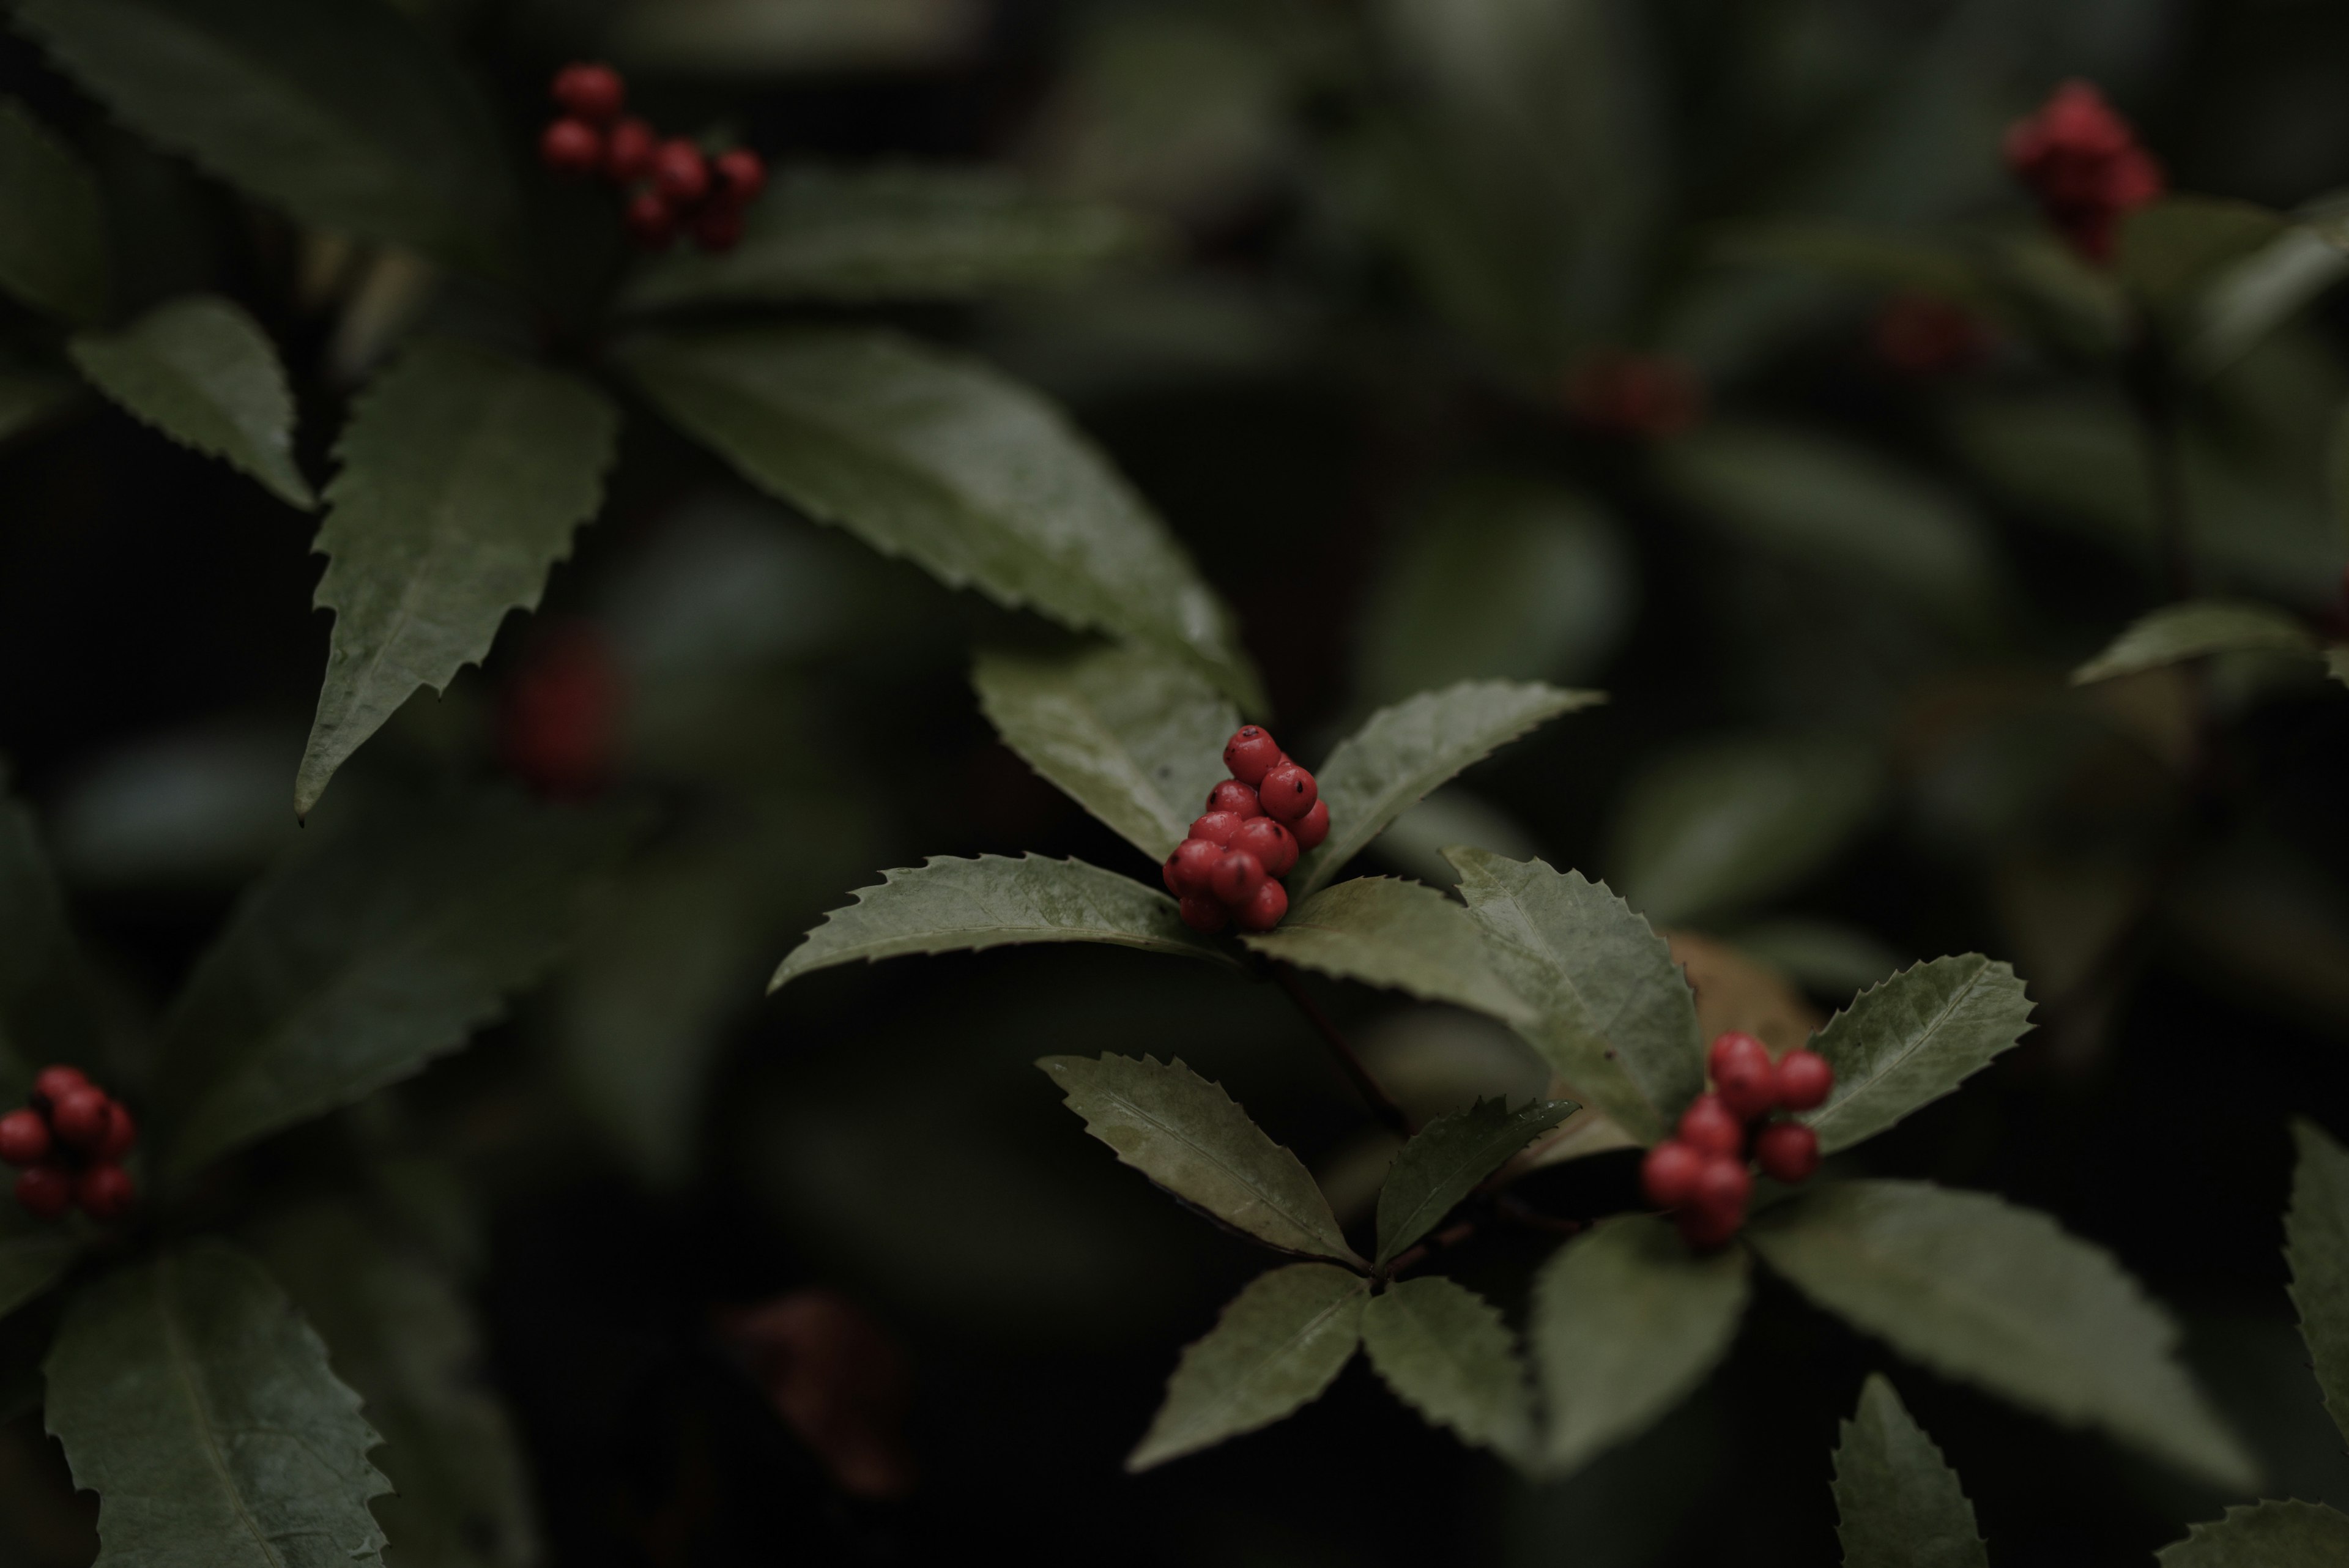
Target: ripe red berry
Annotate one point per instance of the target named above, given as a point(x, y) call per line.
point(628, 151)
point(1236, 878)
point(1251, 753)
point(1270, 842)
point(1732, 1045)
point(2084, 164)
point(1264, 911)
point(1218, 827)
point(1704, 1229)
point(718, 228)
point(742, 175)
point(1234, 797)
point(1712, 1127)
point(106, 1190)
point(590, 91)
point(81, 1117)
point(1787, 1151)
point(1189, 865)
point(1804, 1081)
point(1742, 1075)
point(1668, 1175)
point(121, 1133)
point(1288, 792)
point(46, 1191)
point(1202, 913)
point(1722, 1186)
point(1313, 827)
point(23, 1137)
point(571, 147)
point(559, 717)
point(649, 220)
point(681, 172)
point(54, 1084)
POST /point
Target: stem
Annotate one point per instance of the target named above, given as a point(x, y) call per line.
point(1382, 1105)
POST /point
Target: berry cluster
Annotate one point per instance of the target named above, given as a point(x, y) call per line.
point(70, 1140)
point(1700, 1174)
point(1615, 393)
point(671, 186)
point(2083, 162)
point(1259, 821)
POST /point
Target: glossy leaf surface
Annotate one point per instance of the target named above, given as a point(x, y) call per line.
point(1400, 935)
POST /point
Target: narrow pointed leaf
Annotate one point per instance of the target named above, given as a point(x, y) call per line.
point(193, 1399)
point(2000, 1296)
point(943, 460)
point(1401, 935)
point(2177, 632)
point(1447, 1354)
point(1614, 1014)
point(1401, 754)
point(201, 371)
point(355, 963)
point(1189, 1136)
point(1906, 1042)
point(1133, 738)
point(1279, 1343)
point(944, 905)
point(2316, 1244)
point(1625, 1321)
point(2264, 1535)
point(1450, 1155)
point(53, 246)
point(1898, 1502)
point(464, 474)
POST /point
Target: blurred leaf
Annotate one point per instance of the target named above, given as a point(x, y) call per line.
point(193, 1399)
point(2264, 1535)
point(1449, 1158)
point(2251, 297)
point(464, 474)
point(29, 396)
point(201, 808)
point(1133, 739)
point(1189, 1136)
point(201, 371)
point(759, 37)
point(2316, 1245)
point(1447, 1354)
point(1395, 934)
point(343, 111)
point(1403, 753)
point(399, 1333)
point(53, 253)
point(1906, 1042)
point(1625, 1322)
point(1616, 1017)
point(1280, 1342)
point(1502, 580)
point(1881, 258)
point(1999, 1296)
point(1898, 1502)
point(937, 457)
point(946, 905)
point(353, 963)
point(2177, 632)
point(887, 234)
point(2176, 247)
point(1732, 823)
point(2336, 664)
point(1820, 955)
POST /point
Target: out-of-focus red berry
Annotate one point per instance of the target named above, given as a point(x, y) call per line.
point(680, 172)
point(1288, 793)
point(1733, 1045)
point(106, 1191)
point(1218, 827)
point(718, 228)
point(1668, 1175)
point(121, 1132)
point(80, 1119)
point(1621, 394)
point(1711, 1127)
point(2082, 161)
point(1722, 1186)
point(559, 723)
point(1787, 1151)
point(1251, 753)
point(46, 1191)
point(742, 175)
point(1234, 797)
point(1270, 843)
point(592, 91)
point(628, 151)
point(1313, 827)
point(1743, 1076)
point(571, 147)
point(1705, 1229)
point(1923, 334)
point(1201, 912)
point(1804, 1081)
point(1264, 909)
point(649, 220)
point(23, 1137)
point(1236, 878)
point(54, 1084)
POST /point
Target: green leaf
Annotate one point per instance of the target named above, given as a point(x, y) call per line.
point(53, 247)
point(1445, 1163)
point(1404, 752)
point(1880, 258)
point(1447, 1354)
point(463, 474)
point(2249, 299)
point(2316, 1245)
point(2177, 632)
point(1132, 738)
point(1401, 935)
point(2264, 1535)
point(2000, 1296)
point(398, 1332)
point(1625, 1321)
point(2173, 248)
point(888, 234)
point(1280, 1342)
point(1898, 1502)
point(941, 459)
point(353, 963)
point(1187, 1136)
point(1905, 1042)
point(944, 905)
point(1615, 1015)
point(193, 1399)
point(341, 111)
point(201, 371)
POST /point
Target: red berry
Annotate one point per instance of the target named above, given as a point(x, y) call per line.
point(1712, 1127)
point(1218, 827)
point(1668, 1175)
point(106, 1190)
point(1743, 1073)
point(680, 172)
point(121, 1132)
point(1706, 1229)
point(1234, 797)
point(2084, 164)
point(1236, 878)
point(1251, 753)
point(54, 1084)
point(741, 174)
point(648, 221)
point(559, 717)
point(628, 151)
point(590, 91)
point(1804, 1080)
point(571, 147)
point(81, 1118)
point(1732, 1045)
point(1722, 1186)
point(1192, 860)
point(1264, 911)
point(23, 1137)
point(1270, 842)
point(1288, 792)
point(1787, 1151)
point(718, 228)
point(1313, 827)
point(1202, 913)
point(46, 1191)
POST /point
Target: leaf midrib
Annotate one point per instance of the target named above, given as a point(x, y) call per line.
point(1547, 954)
point(182, 1367)
point(1939, 1021)
point(1475, 1151)
point(1313, 1231)
point(1285, 1349)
